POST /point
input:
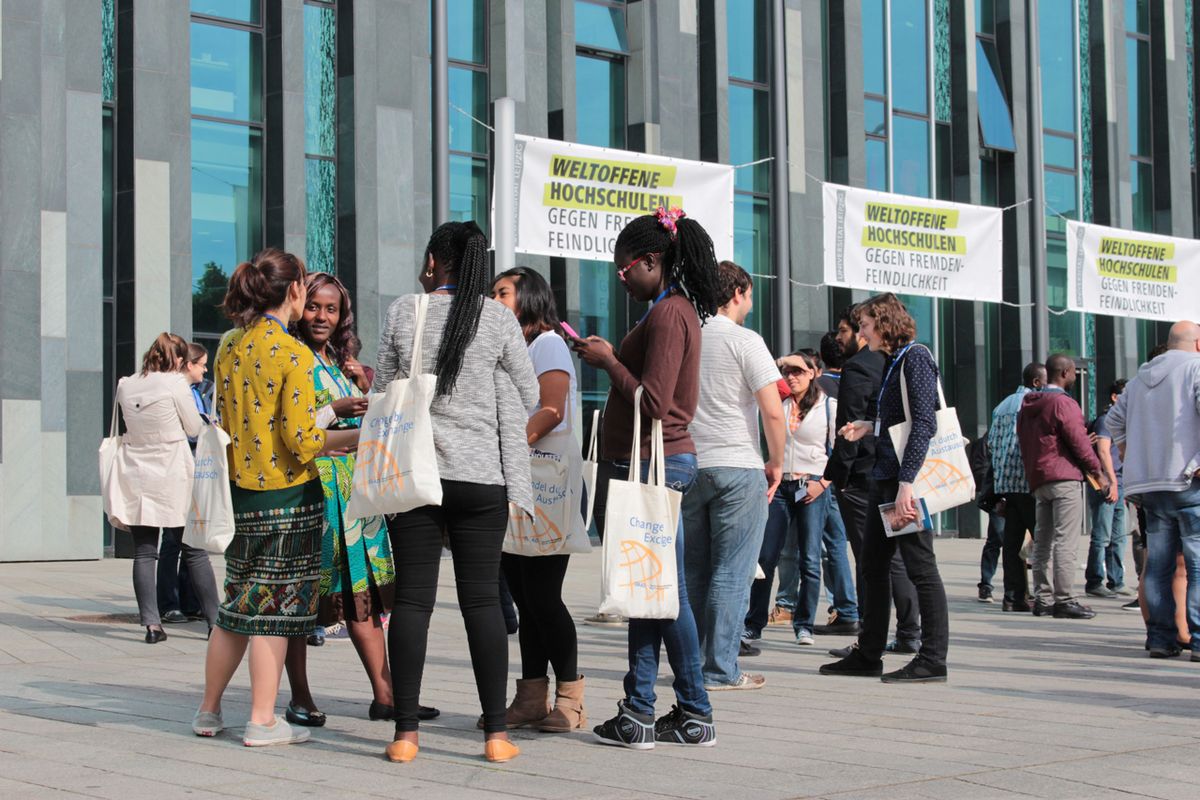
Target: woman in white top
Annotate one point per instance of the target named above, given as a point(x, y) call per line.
point(160, 414)
point(547, 632)
point(803, 498)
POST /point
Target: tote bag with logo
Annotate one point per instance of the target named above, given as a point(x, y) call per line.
point(557, 526)
point(210, 524)
point(640, 575)
point(944, 480)
point(396, 466)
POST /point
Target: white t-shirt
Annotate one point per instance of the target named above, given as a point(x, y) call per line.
point(734, 364)
point(549, 352)
point(809, 439)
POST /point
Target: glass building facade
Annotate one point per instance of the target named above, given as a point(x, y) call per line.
point(307, 125)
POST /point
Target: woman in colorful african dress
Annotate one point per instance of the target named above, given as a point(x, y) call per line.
point(357, 576)
point(266, 403)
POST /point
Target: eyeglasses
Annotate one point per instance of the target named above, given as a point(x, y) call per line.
point(789, 372)
point(622, 270)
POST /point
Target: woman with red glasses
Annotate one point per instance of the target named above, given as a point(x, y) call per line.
point(667, 260)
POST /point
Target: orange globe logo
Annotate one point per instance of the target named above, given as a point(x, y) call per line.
point(542, 536)
point(643, 570)
point(938, 477)
point(376, 467)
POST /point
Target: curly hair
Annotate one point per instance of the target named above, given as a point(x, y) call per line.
point(731, 278)
point(343, 341)
point(536, 308)
point(688, 257)
point(462, 249)
point(894, 325)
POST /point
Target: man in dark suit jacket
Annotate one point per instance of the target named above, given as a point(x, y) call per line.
point(849, 469)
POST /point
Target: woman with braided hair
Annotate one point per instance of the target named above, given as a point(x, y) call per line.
point(666, 259)
point(485, 386)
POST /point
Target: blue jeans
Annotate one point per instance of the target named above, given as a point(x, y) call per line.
point(991, 551)
point(1108, 541)
point(809, 522)
point(647, 636)
point(724, 514)
point(1172, 525)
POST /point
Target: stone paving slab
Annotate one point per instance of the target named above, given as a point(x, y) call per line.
point(1034, 708)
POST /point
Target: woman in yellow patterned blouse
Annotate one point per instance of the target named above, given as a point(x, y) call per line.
point(264, 399)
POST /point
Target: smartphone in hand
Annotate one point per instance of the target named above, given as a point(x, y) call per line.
point(571, 332)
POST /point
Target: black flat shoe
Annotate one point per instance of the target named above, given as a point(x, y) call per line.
point(917, 671)
point(174, 617)
point(379, 711)
point(854, 665)
point(304, 717)
point(155, 635)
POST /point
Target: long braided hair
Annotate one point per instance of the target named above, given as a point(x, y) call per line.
point(688, 256)
point(460, 248)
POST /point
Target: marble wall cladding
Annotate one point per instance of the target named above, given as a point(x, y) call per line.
point(54, 384)
point(54, 274)
point(394, 138)
point(152, 250)
point(86, 425)
point(21, 490)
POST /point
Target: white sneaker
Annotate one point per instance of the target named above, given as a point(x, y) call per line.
point(805, 638)
point(206, 723)
point(279, 732)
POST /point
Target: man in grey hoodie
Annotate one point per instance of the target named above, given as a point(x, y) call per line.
point(1156, 425)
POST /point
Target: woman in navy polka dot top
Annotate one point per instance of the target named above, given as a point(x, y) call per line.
point(887, 326)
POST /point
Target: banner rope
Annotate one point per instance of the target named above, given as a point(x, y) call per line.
point(474, 119)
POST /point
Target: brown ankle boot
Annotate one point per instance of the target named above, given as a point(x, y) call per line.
point(568, 714)
point(532, 703)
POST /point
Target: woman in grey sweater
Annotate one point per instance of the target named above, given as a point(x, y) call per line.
point(485, 384)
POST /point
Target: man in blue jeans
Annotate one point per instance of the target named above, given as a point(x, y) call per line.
point(725, 512)
point(1109, 530)
point(1156, 425)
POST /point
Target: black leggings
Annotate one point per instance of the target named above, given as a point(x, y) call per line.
point(474, 517)
point(547, 632)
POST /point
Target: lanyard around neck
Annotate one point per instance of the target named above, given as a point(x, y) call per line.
point(655, 302)
point(336, 376)
point(277, 320)
point(446, 286)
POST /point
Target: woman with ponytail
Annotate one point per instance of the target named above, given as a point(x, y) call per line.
point(485, 386)
point(264, 400)
point(665, 259)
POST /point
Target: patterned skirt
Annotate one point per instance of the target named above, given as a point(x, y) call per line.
point(273, 564)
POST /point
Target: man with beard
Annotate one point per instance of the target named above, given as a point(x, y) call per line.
point(849, 469)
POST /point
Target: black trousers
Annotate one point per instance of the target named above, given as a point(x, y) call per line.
point(547, 632)
point(1020, 516)
point(474, 517)
point(921, 567)
point(854, 504)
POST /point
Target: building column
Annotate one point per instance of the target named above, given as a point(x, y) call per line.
point(50, 281)
point(286, 189)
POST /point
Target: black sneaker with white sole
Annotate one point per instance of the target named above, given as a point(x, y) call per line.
point(684, 727)
point(627, 729)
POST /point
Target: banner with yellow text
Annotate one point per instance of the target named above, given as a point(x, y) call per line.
point(573, 200)
point(911, 245)
point(1128, 274)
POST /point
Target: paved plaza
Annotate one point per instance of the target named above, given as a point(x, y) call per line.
point(1034, 708)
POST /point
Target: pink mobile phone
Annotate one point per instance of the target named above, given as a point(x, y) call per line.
point(570, 331)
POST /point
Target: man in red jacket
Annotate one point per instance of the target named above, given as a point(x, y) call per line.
point(1056, 452)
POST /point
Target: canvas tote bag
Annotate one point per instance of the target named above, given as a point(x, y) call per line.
point(640, 576)
point(557, 527)
point(117, 494)
point(944, 480)
point(396, 466)
point(210, 524)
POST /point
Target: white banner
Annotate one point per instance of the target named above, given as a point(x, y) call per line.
point(573, 199)
point(912, 245)
point(1129, 274)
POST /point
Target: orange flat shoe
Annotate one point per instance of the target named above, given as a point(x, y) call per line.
point(500, 750)
point(402, 752)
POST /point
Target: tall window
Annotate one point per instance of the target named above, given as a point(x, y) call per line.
point(1141, 125)
point(908, 167)
point(1190, 31)
point(467, 39)
point(749, 26)
point(601, 52)
point(320, 134)
point(108, 96)
point(227, 151)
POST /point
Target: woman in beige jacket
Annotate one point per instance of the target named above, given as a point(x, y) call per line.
point(155, 462)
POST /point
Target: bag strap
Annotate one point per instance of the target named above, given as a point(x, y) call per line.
point(904, 388)
point(591, 456)
point(828, 430)
point(658, 467)
point(635, 452)
point(422, 306)
point(112, 428)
